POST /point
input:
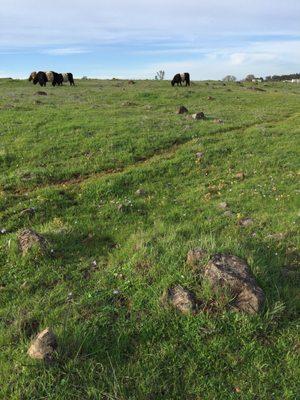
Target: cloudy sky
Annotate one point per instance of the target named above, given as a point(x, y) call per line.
point(135, 38)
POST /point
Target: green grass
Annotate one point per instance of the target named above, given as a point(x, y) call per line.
point(78, 155)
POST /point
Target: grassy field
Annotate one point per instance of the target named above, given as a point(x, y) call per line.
point(73, 160)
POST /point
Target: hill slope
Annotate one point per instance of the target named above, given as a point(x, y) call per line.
point(71, 164)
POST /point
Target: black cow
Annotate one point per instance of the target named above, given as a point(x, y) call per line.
point(179, 78)
point(40, 78)
point(57, 79)
point(60, 79)
point(71, 79)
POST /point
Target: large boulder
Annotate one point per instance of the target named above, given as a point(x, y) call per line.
point(233, 273)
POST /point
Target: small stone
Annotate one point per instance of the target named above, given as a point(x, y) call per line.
point(276, 236)
point(140, 192)
point(198, 115)
point(218, 121)
point(182, 299)
point(228, 213)
point(200, 154)
point(210, 98)
point(195, 255)
point(43, 346)
point(245, 222)
point(128, 104)
point(223, 205)
point(182, 110)
point(28, 211)
point(28, 238)
point(240, 175)
point(3, 231)
point(233, 273)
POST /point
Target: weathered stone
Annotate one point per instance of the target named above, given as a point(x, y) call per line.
point(198, 115)
point(28, 211)
point(28, 238)
point(276, 236)
point(199, 154)
point(195, 255)
point(223, 205)
point(182, 299)
point(128, 103)
point(228, 213)
point(140, 192)
point(233, 273)
point(182, 110)
point(240, 175)
point(245, 222)
point(43, 345)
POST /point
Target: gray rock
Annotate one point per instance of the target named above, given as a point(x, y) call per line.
point(240, 175)
point(198, 115)
point(218, 121)
point(140, 192)
point(276, 236)
point(28, 238)
point(182, 299)
point(43, 346)
point(245, 222)
point(195, 255)
point(199, 154)
point(223, 205)
point(228, 213)
point(182, 110)
point(233, 273)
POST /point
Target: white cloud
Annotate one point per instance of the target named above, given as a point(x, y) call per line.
point(65, 51)
point(26, 23)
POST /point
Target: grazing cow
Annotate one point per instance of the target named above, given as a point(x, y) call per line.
point(40, 78)
point(179, 78)
point(54, 78)
point(50, 76)
point(65, 77)
point(68, 77)
point(32, 76)
point(60, 79)
point(71, 79)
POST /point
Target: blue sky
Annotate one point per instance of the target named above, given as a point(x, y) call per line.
point(135, 38)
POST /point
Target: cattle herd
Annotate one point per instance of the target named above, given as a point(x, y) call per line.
point(53, 77)
point(42, 78)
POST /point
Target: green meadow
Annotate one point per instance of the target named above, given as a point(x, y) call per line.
point(71, 164)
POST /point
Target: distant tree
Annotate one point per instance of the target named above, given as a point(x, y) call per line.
point(229, 78)
point(249, 78)
point(160, 75)
point(84, 78)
